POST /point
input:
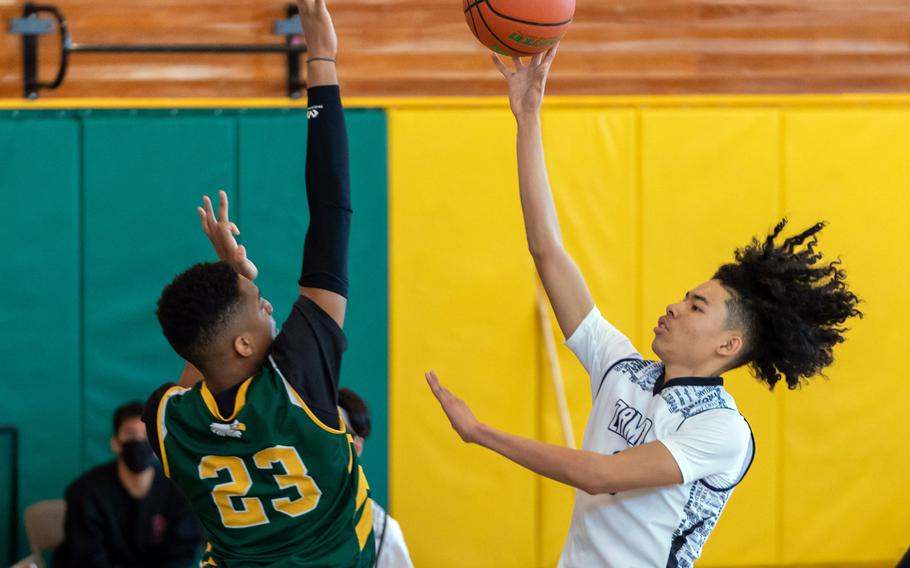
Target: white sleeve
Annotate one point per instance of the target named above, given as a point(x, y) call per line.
point(598, 345)
point(394, 552)
point(715, 446)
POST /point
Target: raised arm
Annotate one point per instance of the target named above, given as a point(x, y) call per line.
point(324, 275)
point(562, 280)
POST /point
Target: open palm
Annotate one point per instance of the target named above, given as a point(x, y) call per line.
point(527, 82)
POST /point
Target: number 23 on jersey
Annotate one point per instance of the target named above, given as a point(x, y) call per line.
point(251, 511)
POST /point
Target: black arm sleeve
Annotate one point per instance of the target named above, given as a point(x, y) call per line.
point(308, 352)
point(328, 187)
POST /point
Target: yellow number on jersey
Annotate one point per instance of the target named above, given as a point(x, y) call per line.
point(295, 477)
point(253, 512)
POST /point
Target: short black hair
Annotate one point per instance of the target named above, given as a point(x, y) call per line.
point(790, 306)
point(126, 411)
point(357, 410)
point(196, 306)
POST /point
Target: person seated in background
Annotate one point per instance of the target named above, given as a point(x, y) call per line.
point(126, 513)
point(391, 550)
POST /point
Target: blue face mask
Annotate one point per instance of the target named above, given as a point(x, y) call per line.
point(137, 455)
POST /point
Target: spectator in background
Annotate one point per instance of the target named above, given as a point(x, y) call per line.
point(391, 550)
point(126, 513)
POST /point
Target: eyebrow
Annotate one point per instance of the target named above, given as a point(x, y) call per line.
point(698, 297)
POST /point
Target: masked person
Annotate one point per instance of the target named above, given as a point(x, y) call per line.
point(126, 513)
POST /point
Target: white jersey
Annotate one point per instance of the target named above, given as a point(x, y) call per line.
point(391, 550)
point(695, 418)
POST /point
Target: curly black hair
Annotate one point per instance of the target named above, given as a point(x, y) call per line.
point(790, 306)
point(196, 306)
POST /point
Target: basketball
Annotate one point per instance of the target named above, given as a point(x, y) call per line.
point(519, 27)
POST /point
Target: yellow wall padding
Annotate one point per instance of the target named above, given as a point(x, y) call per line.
point(845, 488)
point(651, 201)
point(463, 304)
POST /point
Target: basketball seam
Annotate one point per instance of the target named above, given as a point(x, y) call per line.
point(501, 15)
point(492, 33)
point(470, 5)
point(471, 14)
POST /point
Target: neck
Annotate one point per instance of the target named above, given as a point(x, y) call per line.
point(674, 371)
point(137, 485)
point(219, 378)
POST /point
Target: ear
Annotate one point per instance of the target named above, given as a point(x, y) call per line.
point(116, 446)
point(358, 445)
point(243, 346)
point(731, 346)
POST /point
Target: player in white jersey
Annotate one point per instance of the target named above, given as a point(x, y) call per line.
point(664, 445)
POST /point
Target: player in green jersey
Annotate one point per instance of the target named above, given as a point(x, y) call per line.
point(252, 435)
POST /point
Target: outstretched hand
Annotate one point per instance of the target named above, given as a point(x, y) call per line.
point(460, 416)
point(527, 82)
point(222, 232)
point(318, 29)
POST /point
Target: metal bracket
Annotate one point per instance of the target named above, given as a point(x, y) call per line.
point(30, 27)
point(290, 26)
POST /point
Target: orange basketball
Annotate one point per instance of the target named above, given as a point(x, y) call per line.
point(519, 27)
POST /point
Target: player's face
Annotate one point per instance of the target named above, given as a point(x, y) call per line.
point(693, 329)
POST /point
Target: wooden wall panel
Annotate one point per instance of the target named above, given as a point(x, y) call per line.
point(423, 47)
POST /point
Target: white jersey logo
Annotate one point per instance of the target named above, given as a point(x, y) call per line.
point(233, 430)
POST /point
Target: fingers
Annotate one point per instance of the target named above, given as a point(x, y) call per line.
point(550, 55)
point(518, 64)
point(441, 393)
point(500, 65)
point(204, 219)
point(209, 212)
point(240, 253)
point(222, 206)
point(535, 61)
point(234, 230)
point(433, 381)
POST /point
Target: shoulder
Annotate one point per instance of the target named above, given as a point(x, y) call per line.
point(154, 401)
point(151, 414)
point(318, 319)
point(723, 427)
point(593, 327)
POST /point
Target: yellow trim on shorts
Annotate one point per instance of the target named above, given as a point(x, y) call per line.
point(161, 427)
point(239, 400)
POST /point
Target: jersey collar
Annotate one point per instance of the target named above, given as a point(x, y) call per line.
point(239, 401)
point(659, 385)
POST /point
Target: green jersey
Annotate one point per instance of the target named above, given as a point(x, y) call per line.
point(271, 484)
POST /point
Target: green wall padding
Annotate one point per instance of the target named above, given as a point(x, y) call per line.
point(40, 392)
point(99, 214)
point(143, 178)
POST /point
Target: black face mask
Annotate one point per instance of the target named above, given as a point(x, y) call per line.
point(137, 455)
